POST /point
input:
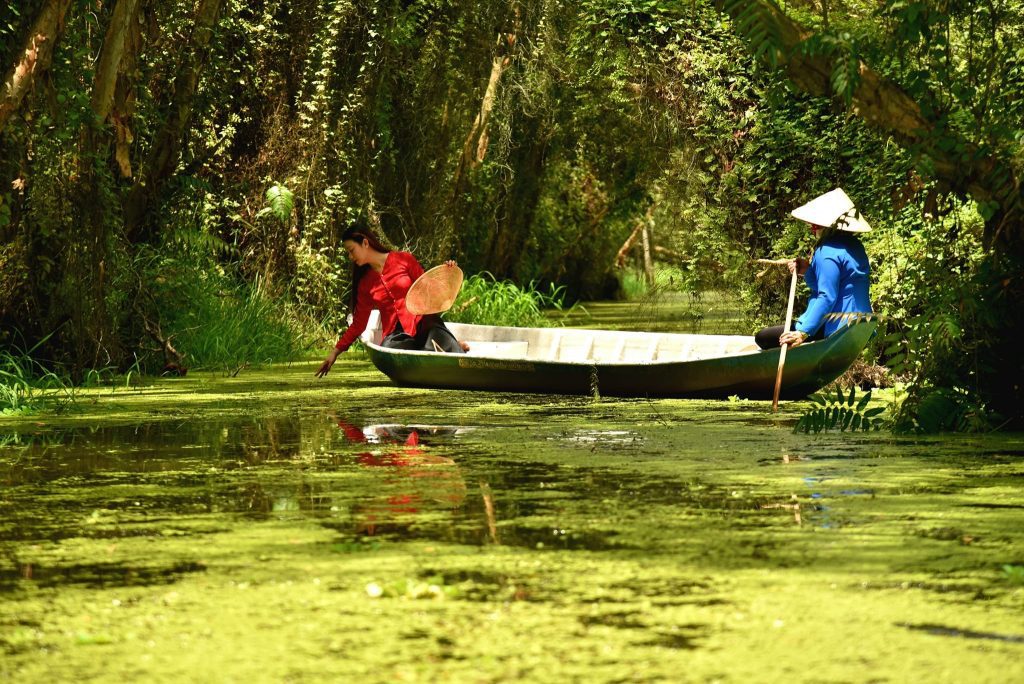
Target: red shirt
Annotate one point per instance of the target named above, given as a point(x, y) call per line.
point(384, 291)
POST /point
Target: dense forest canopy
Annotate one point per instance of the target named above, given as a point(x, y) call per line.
point(167, 165)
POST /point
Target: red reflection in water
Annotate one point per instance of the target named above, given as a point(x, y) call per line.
point(423, 480)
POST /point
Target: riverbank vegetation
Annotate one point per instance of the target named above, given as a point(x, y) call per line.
point(175, 176)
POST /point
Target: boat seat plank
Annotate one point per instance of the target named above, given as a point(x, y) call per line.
point(588, 354)
point(620, 350)
point(500, 350)
point(556, 346)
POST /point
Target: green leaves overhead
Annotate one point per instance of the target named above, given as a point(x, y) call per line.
point(756, 23)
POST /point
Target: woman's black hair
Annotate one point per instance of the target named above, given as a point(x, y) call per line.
point(826, 233)
point(358, 231)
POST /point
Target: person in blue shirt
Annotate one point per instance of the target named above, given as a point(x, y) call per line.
point(837, 274)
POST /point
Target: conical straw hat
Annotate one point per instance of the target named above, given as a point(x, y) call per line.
point(434, 291)
point(833, 209)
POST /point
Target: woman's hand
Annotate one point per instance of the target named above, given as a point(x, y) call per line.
point(325, 367)
point(793, 338)
point(450, 263)
point(798, 265)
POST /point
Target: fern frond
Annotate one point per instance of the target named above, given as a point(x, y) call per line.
point(755, 23)
point(201, 241)
point(841, 411)
point(280, 202)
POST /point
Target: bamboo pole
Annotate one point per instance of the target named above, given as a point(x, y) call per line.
point(782, 353)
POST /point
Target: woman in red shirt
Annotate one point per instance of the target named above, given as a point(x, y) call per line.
point(380, 280)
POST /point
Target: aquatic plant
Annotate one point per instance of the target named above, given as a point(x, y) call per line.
point(1014, 574)
point(211, 509)
point(15, 390)
point(485, 300)
point(840, 412)
point(25, 385)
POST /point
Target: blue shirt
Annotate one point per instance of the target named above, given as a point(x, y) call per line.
point(838, 280)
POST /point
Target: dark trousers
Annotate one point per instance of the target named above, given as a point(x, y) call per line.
point(768, 338)
point(430, 331)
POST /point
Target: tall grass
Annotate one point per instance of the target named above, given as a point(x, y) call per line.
point(666, 279)
point(485, 300)
point(26, 386)
point(223, 324)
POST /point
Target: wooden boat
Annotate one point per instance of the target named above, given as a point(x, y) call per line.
point(625, 364)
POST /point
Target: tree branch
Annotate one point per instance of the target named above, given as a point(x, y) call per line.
point(166, 150)
point(956, 161)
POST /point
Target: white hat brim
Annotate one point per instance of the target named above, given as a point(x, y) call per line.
point(833, 208)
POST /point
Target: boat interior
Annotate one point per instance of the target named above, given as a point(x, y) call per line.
point(574, 345)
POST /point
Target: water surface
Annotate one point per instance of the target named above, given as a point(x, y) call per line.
point(275, 527)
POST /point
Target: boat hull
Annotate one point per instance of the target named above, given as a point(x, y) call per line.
point(750, 375)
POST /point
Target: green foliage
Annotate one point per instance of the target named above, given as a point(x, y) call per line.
point(280, 203)
point(667, 279)
point(753, 22)
point(605, 113)
point(842, 51)
point(190, 239)
point(1014, 574)
point(5, 211)
point(634, 285)
point(237, 326)
point(933, 341)
point(26, 386)
point(216, 321)
point(842, 412)
point(484, 300)
point(318, 286)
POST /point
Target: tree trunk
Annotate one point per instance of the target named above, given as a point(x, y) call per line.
point(620, 256)
point(166, 150)
point(94, 338)
point(36, 57)
point(645, 235)
point(122, 116)
point(108, 66)
point(474, 149)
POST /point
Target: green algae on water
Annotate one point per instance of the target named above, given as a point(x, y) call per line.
point(277, 527)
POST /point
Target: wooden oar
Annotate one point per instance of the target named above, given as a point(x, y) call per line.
point(782, 354)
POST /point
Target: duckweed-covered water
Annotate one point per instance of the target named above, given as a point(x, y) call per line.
point(273, 527)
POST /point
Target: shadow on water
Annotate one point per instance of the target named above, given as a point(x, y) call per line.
point(95, 575)
point(943, 630)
